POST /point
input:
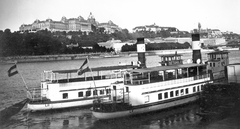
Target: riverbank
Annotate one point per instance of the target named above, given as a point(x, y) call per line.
point(64, 57)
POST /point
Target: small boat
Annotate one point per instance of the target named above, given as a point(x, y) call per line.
point(154, 88)
point(65, 88)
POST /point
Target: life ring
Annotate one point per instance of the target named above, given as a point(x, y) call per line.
point(223, 63)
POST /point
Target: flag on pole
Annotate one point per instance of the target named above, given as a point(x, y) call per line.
point(13, 70)
point(84, 68)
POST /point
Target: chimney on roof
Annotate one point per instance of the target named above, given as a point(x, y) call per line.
point(141, 49)
point(196, 47)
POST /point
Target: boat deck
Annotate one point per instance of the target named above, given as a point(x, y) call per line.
point(85, 79)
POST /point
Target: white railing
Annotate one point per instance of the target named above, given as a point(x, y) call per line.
point(36, 94)
point(168, 82)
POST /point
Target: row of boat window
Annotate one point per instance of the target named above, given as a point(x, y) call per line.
point(214, 56)
point(170, 94)
point(88, 93)
point(213, 64)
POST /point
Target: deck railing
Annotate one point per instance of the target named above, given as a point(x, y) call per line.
point(54, 78)
point(37, 94)
point(166, 82)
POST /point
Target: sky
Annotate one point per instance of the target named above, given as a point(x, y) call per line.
point(182, 14)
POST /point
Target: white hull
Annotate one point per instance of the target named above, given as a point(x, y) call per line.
point(59, 105)
point(118, 114)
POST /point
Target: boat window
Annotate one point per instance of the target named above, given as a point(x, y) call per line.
point(159, 96)
point(170, 74)
point(176, 93)
point(214, 56)
point(140, 78)
point(127, 75)
point(65, 95)
point(202, 70)
point(201, 87)
point(88, 93)
point(166, 95)
point(95, 92)
point(101, 92)
point(146, 98)
point(80, 94)
point(160, 75)
point(186, 91)
point(108, 91)
point(127, 89)
point(171, 94)
point(182, 91)
point(194, 89)
point(192, 71)
point(184, 72)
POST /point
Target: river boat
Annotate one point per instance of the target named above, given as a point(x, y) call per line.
point(65, 88)
point(155, 88)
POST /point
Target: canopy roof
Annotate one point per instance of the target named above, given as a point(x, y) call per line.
point(106, 68)
point(218, 52)
point(163, 68)
point(170, 55)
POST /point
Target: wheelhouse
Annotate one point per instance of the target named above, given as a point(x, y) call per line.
point(170, 59)
point(217, 61)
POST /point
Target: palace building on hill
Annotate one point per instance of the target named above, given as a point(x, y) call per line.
point(71, 24)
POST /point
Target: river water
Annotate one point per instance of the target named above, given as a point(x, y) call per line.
point(12, 90)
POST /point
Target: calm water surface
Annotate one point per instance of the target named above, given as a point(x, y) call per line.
point(12, 91)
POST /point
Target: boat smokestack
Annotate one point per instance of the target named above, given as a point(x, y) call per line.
point(141, 49)
point(196, 47)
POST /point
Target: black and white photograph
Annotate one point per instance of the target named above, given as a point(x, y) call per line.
point(119, 64)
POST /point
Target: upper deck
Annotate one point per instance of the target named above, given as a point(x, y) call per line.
point(98, 73)
point(165, 73)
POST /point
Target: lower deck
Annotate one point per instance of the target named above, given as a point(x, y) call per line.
point(149, 99)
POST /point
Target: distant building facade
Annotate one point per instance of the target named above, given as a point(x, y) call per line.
point(155, 28)
point(71, 24)
point(109, 27)
point(208, 33)
point(115, 44)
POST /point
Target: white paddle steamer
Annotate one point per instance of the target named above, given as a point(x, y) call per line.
point(65, 88)
point(155, 88)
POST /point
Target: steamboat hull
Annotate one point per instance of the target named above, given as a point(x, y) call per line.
point(147, 108)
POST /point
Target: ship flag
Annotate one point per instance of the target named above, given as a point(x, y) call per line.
point(84, 68)
point(13, 70)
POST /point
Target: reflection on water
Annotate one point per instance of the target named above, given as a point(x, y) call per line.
point(178, 117)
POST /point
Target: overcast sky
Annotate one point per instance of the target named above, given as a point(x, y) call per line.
point(182, 14)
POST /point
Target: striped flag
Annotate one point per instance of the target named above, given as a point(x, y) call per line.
point(83, 68)
point(13, 70)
